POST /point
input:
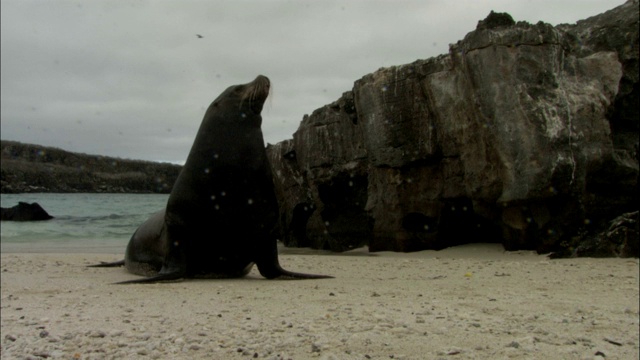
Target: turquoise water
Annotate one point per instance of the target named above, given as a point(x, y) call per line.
point(86, 223)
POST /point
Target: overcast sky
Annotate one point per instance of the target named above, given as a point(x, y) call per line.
point(132, 79)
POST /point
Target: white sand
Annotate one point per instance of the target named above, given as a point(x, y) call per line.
point(469, 302)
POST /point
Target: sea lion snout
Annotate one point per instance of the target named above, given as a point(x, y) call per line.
point(262, 80)
point(256, 92)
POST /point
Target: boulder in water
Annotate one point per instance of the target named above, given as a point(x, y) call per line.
point(25, 212)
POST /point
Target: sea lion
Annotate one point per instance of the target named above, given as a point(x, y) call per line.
point(221, 216)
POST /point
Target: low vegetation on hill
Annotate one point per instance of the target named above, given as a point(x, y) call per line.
point(35, 168)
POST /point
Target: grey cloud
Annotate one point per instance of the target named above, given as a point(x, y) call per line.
point(132, 79)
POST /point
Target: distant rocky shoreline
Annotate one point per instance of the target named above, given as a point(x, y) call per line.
point(28, 168)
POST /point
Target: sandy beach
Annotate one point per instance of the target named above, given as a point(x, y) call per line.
point(468, 302)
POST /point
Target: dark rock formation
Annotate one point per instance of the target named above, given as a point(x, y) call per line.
point(495, 20)
point(24, 212)
point(620, 239)
point(33, 168)
point(523, 134)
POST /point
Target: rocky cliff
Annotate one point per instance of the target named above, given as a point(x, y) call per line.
point(34, 168)
point(526, 134)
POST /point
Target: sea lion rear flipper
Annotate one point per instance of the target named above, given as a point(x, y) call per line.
point(154, 279)
point(174, 268)
point(108, 264)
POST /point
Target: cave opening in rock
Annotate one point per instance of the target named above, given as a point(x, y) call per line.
point(455, 224)
point(299, 219)
point(346, 220)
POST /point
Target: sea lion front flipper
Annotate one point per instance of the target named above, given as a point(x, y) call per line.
point(269, 266)
point(277, 272)
point(290, 275)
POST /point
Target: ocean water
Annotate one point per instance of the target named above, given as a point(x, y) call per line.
point(83, 223)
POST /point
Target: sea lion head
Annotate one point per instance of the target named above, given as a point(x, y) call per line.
point(247, 99)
